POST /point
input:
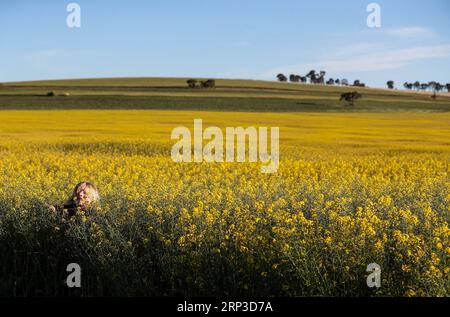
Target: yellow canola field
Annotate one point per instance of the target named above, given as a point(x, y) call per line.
point(351, 190)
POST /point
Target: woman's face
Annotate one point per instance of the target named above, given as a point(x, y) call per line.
point(83, 198)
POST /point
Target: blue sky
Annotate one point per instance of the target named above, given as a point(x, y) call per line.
point(251, 39)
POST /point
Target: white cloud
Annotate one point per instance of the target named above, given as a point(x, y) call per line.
point(371, 61)
point(354, 49)
point(411, 31)
point(44, 56)
point(54, 61)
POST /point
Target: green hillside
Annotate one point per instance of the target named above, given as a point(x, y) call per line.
point(229, 95)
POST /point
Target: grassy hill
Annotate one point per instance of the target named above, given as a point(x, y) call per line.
point(229, 95)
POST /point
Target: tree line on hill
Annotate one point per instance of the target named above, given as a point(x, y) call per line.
point(319, 79)
point(432, 86)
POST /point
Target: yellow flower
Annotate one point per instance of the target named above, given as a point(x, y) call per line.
point(243, 249)
point(410, 293)
point(286, 247)
point(379, 245)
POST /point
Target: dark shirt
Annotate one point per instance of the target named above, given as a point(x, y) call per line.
point(72, 210)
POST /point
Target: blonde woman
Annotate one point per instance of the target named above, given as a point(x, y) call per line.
point(84, 198)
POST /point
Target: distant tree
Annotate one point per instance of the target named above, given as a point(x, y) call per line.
point(408, 85)
point(435, 88)
point(351, 97)
point(295, 78)
point(337, 81)
point(390, 84)
point(344, 82)
point(424, 86)
point(303, 79)
point(192, 83)
point(281, 78)
point(448, 87)
point(312, 76)
point(210, 83)
point(330, 81)
point(417, 85)
point(358, 83)
point(321, 78)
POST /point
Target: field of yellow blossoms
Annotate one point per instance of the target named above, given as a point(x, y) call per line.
point(351, 190)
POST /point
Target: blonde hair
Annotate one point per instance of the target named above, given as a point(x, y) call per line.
point(90, 190)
